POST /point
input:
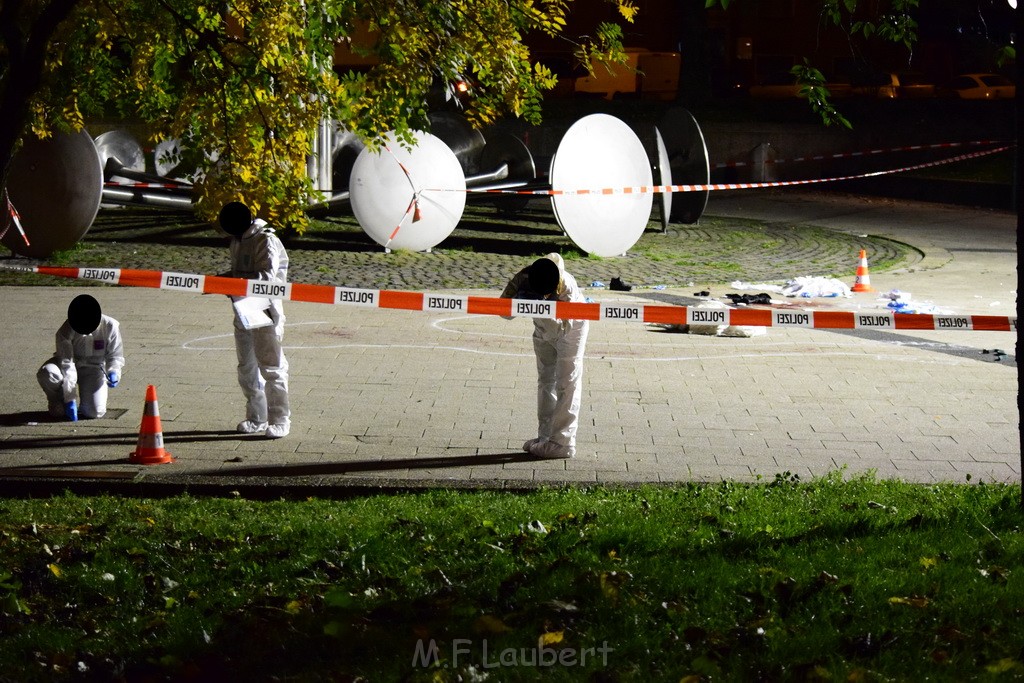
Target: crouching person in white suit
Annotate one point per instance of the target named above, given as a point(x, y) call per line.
point(89, 359)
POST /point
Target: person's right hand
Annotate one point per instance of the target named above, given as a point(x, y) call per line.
point(71, 410)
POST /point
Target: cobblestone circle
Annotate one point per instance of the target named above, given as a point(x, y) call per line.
point(484, 250)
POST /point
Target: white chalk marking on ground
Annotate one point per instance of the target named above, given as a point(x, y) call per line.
point(195, 344)
point(593, 348)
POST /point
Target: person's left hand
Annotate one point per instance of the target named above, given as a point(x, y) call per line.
point(112, 379)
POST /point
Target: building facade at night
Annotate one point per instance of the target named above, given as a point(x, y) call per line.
point(724, 52)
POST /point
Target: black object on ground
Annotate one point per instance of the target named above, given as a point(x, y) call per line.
point(617, 285)
point(761, 298)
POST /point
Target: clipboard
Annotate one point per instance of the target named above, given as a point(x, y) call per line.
point(252, 311)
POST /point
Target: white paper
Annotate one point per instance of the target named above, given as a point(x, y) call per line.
point(252, 311)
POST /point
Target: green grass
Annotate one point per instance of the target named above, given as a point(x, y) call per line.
point(827, 580)
point(75, 254)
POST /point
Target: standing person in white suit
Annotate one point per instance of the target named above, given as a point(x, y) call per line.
point(257, 254)
point(88, 360)
point(559, 347)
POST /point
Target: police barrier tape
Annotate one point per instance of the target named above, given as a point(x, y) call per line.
point(659, 189)
point(149, 186)
point(862, 153)
point(483, 305)
point(15, 219)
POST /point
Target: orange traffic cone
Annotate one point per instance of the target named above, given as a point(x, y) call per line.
point(863, 281)
point(150, 450)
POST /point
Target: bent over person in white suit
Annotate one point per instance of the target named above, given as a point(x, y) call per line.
point(559, 346)
point(89, 358)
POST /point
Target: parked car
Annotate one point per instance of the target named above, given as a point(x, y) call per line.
point(879, 85)
point(888, 85)
point(982, 87)
point(776, 86)
point(784, 86)
point(913, 85)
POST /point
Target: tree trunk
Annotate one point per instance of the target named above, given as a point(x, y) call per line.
point(26, 53)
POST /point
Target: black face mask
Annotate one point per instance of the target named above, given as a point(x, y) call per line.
point(84, 314)
point(543, 277)
point(235, 218)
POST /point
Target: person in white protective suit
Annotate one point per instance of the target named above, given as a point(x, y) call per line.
point(89, 359)
point(559, 347)
point(257, 254)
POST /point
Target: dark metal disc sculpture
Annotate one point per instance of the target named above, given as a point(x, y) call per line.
point(123, 149)
point(408, 198)
point(345, 150)
point(601, 156)
point(55, 185)
point(462, 139)
point(663, 176)
point(508, 150)
point(687, 163)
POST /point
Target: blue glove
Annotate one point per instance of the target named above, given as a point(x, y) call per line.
point(112, 379)
point(71, 410)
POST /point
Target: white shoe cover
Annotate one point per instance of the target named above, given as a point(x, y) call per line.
point(530, 444)
point(278, 431)
point(550, 450)
point(250, 427)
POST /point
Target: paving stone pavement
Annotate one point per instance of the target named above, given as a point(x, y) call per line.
point(384, 399)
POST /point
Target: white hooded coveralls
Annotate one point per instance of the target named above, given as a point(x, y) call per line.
point(262, 367)
point(78, 370)
point(559, 346)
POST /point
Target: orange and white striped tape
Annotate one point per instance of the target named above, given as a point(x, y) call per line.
point(658, 189)
point(559, 310)
point(148, 186)
point(864, 153)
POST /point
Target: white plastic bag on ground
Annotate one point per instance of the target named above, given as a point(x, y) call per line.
point(764, 287)
point(901, 302)
point(815, 286)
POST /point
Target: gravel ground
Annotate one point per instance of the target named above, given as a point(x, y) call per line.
point(481, 253)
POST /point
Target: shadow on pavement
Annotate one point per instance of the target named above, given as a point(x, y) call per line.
point(211, 435)
point(8, 471)
point(73, 440)
point(370, 466)
point(120, 439)
point(24, 418)
point(30, 418)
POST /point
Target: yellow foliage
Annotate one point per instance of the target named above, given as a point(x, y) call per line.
point(912, 601)
point(1003, 665)
point(550, 638)
point(245, 94)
